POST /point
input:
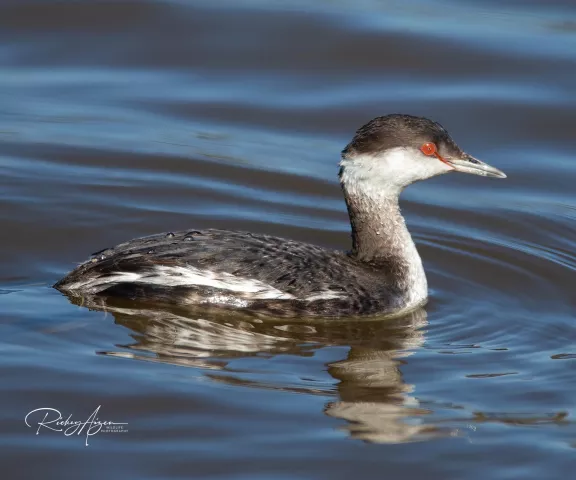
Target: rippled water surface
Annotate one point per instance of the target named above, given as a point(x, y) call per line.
point(125, 118)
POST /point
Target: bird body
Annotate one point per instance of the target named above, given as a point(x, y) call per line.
point(237, 269)
point(381, 274)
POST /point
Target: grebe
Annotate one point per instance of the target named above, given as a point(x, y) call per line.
point(382, 274)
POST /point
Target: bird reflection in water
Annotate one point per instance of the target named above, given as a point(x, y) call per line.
point(370, 392)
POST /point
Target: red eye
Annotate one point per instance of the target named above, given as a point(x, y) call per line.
point(428, 149)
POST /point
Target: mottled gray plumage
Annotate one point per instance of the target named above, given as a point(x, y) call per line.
point(299, 269)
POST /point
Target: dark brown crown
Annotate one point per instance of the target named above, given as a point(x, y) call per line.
point(397, 130)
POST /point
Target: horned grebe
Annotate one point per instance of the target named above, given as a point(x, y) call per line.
point(382, 274)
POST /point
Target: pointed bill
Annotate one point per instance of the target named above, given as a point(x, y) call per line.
point(472, 165)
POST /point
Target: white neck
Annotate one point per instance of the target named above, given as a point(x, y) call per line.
point(379, 233)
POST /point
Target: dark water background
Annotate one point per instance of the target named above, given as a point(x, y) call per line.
point(120, 119)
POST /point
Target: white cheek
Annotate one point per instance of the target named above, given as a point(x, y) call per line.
point(397, 167)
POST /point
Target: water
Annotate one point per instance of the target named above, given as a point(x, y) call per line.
point(121, 119)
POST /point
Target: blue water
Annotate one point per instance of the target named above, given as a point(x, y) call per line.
point(121, 119)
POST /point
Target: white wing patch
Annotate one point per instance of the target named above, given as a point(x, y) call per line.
point(325, 295)
point(188, 276)
point(244, 288)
